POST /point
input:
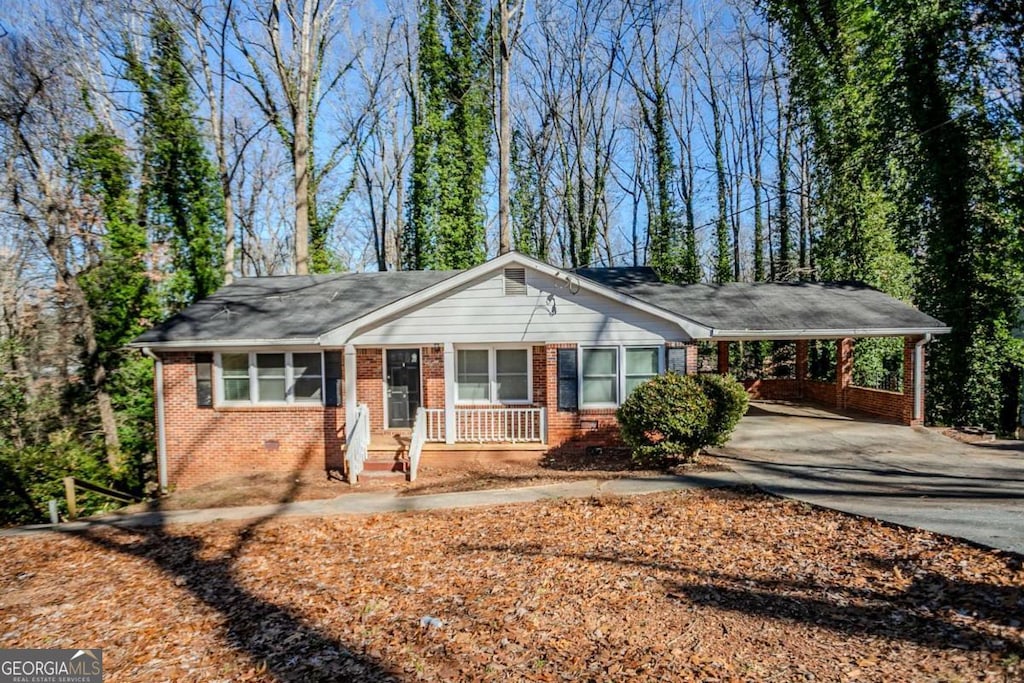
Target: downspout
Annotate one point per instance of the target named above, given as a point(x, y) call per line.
point(919, 377)
point(161, 433)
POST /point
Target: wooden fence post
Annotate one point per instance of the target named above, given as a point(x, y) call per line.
point(69, 493)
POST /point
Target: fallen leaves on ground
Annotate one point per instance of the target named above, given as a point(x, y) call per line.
point(465, 471)
point(725, 585)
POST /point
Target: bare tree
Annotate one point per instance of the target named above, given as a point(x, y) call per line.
point(41, 117)
point(293, 68)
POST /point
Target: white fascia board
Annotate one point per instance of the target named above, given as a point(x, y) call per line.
point(341, 335)
point(204, 344)
point(827, 333)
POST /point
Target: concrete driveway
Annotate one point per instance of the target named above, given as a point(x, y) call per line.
point(913, 477)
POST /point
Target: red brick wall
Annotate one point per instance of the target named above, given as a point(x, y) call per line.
point(583, 428)
point(204, 444)
point(875, 402)
point(540, 376)
point(773, 389)
point(820, 392)
point(370, 385)
point(432, 370)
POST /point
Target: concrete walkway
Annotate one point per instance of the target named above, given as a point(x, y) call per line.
point(372, 503)
point(913, 477)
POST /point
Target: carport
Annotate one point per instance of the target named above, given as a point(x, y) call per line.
point(802, 313)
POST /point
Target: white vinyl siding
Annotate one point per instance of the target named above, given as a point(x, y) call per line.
point(551, 311)
point(272, 378)
point(493, 375)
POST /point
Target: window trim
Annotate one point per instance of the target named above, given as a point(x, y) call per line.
point(659, 370)
point(620, 371)
point(618, 377)
point(492, 374)
point(289, 382)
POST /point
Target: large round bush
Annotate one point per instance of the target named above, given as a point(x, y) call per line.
point(729, 400)
point(665, 417)
point(673, 416)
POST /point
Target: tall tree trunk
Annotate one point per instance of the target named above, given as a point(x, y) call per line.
point(504, 129)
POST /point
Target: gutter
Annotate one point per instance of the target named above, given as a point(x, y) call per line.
point(161, 433)
point(205, 344)
point(919, 377)
point(826, 333)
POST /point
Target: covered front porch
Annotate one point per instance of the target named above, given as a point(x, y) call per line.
point(403, 401)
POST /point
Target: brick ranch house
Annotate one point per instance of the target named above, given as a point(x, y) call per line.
point(357, 370)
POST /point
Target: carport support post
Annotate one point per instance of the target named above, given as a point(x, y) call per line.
point(801, 365)
point(844, 370)
point(723, 358)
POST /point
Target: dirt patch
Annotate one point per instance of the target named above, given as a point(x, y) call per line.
point(705, 585)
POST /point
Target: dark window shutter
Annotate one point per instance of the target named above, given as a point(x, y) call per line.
point(204, 379)
point(332, 378)
point(676, 359)
point(568, 382)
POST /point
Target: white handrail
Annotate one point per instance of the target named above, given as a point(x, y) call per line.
point(493, 425)
point(358, 447)
point(419, 437)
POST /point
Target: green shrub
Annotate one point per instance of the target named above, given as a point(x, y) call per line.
point(729, 400)
point(31, 475)
point(665, 418)
point(673, 416)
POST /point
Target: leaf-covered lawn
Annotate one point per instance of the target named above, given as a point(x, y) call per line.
point(714, 585)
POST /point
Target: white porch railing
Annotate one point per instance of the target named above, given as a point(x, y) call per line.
point(358, 446)
point(419, 435)
point(489, 425)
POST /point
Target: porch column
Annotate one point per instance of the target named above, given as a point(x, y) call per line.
point(350, 390)
point(844, 370)
point(449, 393)
point(723, 358)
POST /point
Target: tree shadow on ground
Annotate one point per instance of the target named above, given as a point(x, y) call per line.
point(276, 637)
point(933, 610)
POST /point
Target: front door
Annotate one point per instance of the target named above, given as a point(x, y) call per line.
point(402, 372)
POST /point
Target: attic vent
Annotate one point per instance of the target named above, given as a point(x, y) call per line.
point(515, 281)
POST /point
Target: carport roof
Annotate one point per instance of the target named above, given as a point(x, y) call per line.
point(774, 310)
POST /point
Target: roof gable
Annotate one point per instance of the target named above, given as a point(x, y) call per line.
point(345, 332)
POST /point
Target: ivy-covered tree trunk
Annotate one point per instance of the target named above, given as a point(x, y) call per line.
point(181, 188)
point(451, 128)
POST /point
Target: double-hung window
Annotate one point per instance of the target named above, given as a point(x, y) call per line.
point(600, 376)
point(609, 374)
point(641, 365)
point(280, 377)
point(489, 375)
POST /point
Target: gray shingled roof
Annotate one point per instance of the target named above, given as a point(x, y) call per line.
point(301, 307)
point(769, 306)
point(288, 307)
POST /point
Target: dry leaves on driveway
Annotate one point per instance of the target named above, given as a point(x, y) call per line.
point(712, 585)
